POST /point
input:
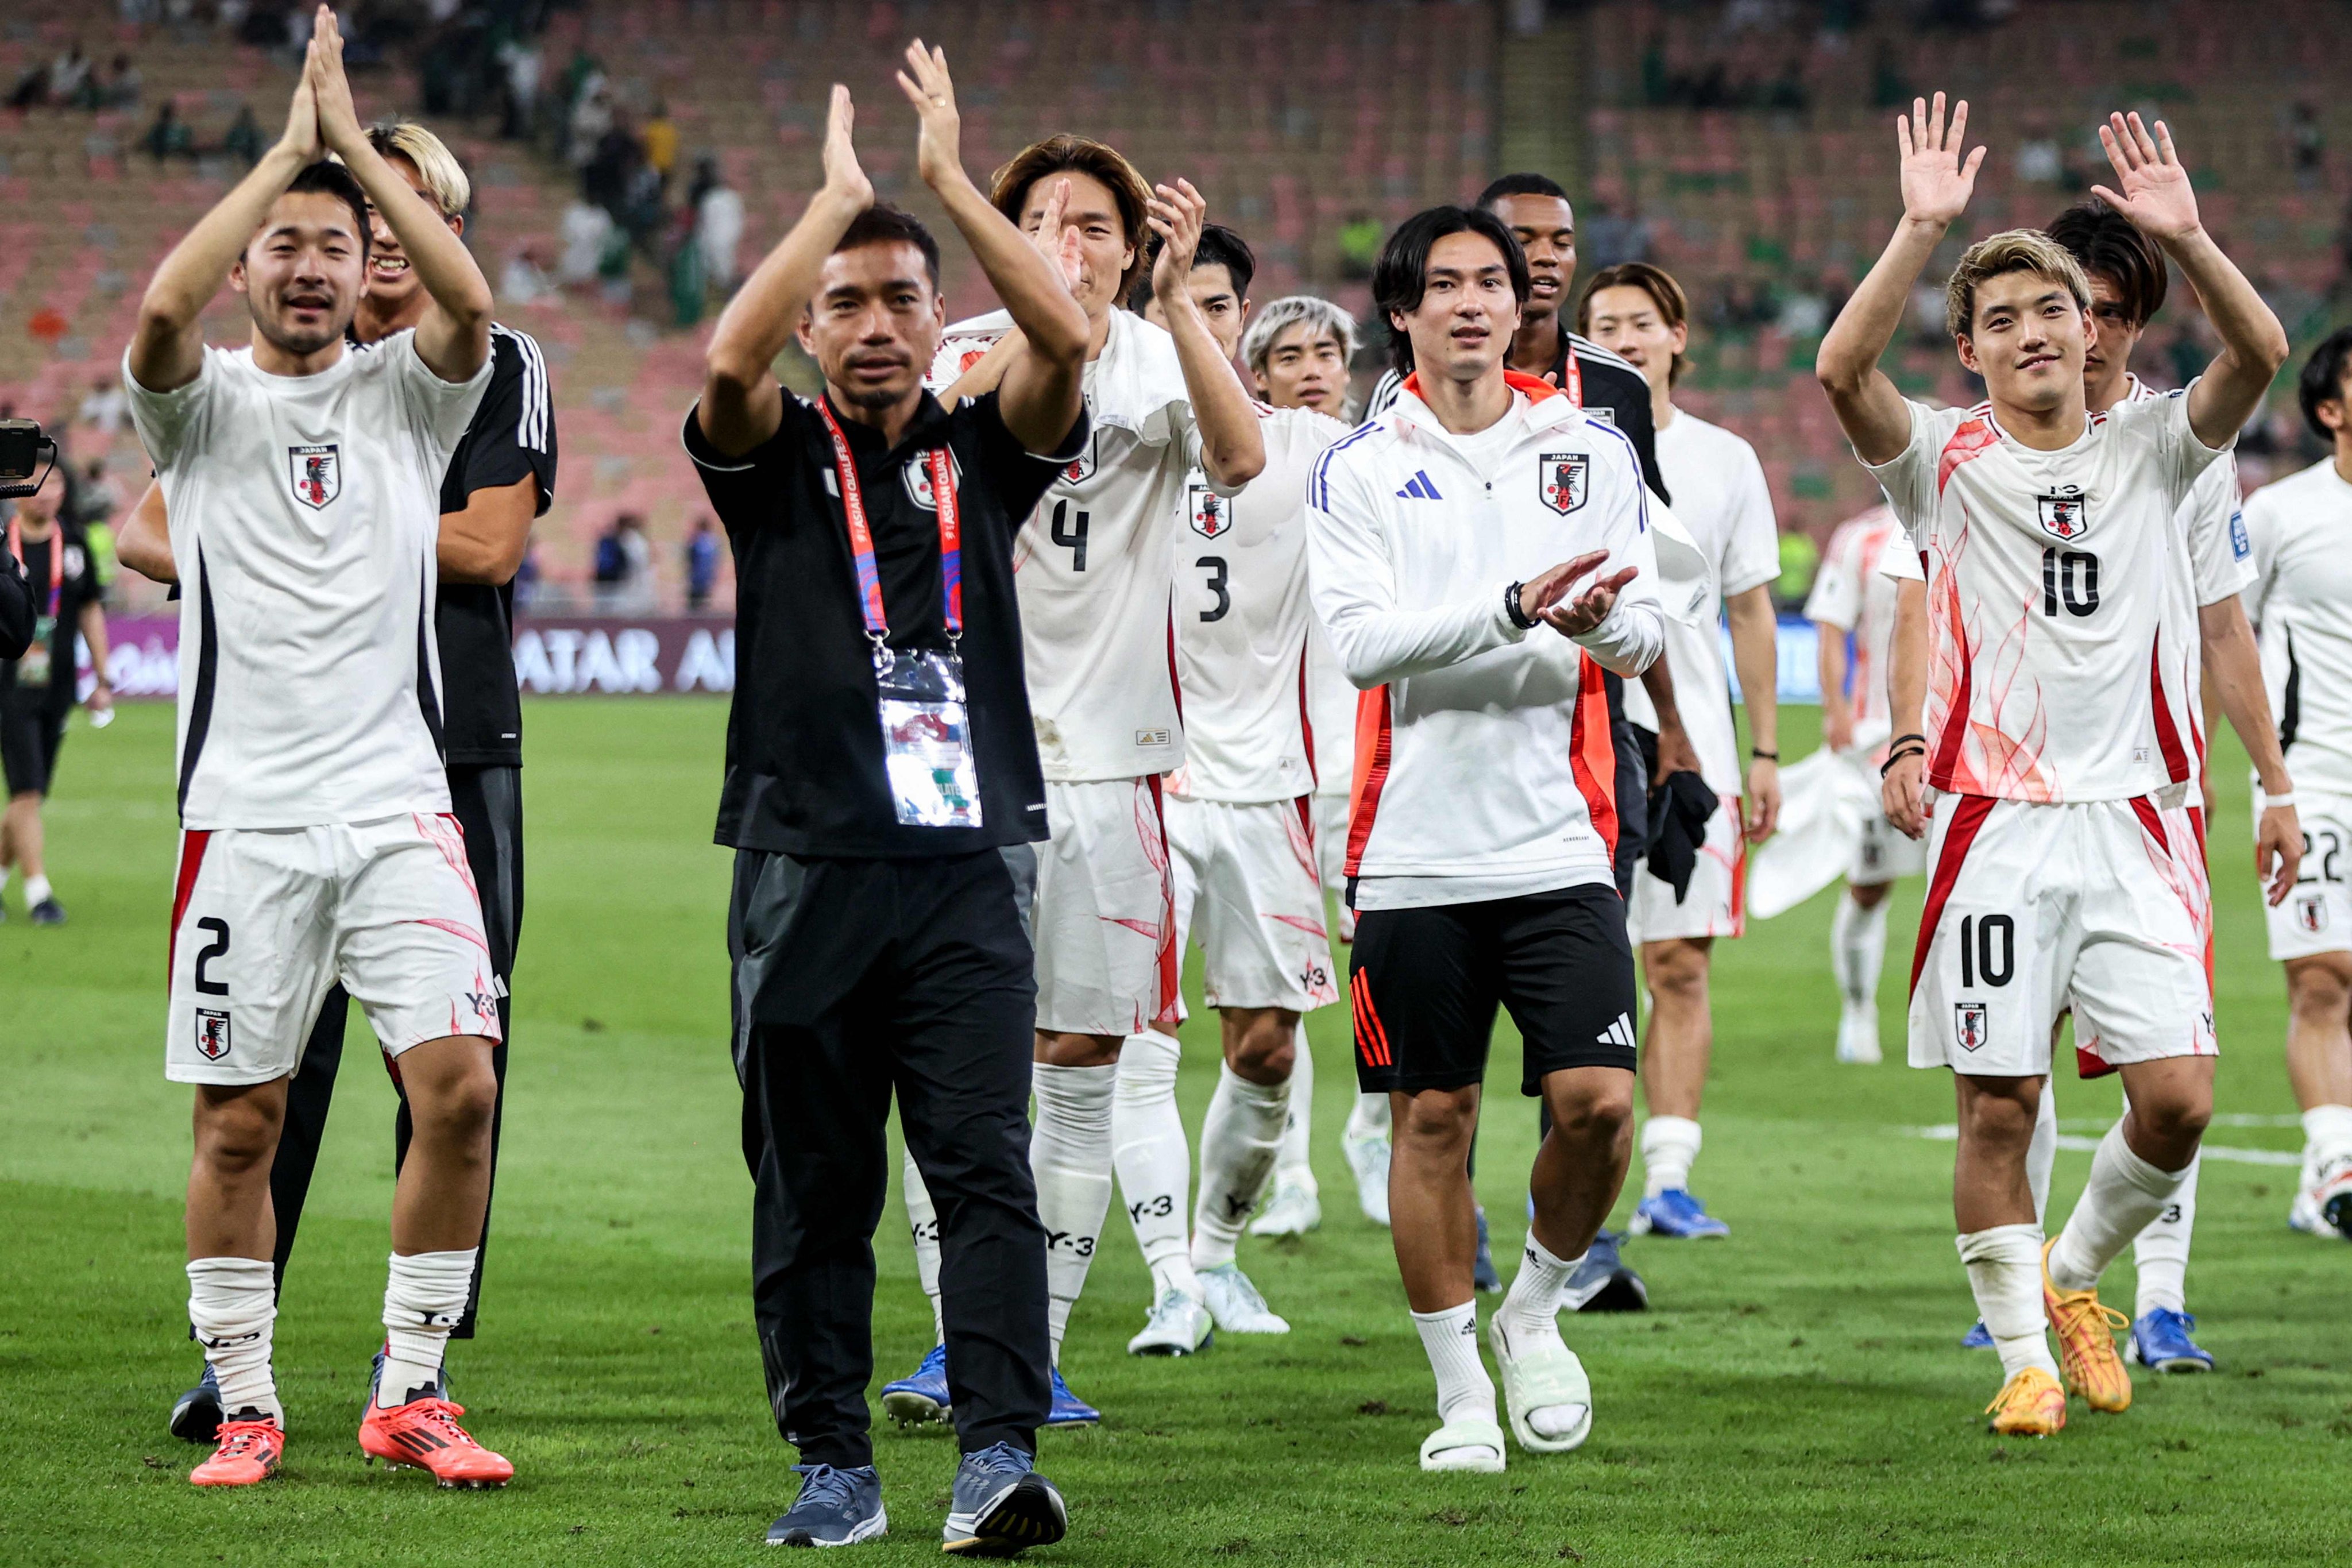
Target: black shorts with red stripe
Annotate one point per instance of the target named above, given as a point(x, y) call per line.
point(1426, 984)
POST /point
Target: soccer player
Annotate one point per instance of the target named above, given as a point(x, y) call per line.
point(1480, 841)
point(1638, 313)
point(1097, 579)
point(501, 477)
point(876, 929)
point(2302, 598)
point(36, 691)
point(1241, 841)
point(319, 843)
point(2066, 872)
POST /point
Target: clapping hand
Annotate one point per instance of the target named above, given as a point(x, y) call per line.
point(842, 178)
point(1546, 597)
point(939, 153)
point(339, 118)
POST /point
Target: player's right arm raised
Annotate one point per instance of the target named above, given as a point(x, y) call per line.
point(1936, 183)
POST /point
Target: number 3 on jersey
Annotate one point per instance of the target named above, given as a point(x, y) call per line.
point(1074, 540)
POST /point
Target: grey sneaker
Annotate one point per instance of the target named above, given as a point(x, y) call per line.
point(835, 1508)
point(1002, 1506)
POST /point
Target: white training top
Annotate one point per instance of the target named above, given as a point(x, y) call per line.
point(2301, 600)
point(2048, 595)
point(1855, 592)
point(1723, 499)
point(1484, 764)
point(304, 515)
point(1095, 563)
point(1242, 619)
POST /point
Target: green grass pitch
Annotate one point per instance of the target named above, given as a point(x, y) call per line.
point(1797, 1396)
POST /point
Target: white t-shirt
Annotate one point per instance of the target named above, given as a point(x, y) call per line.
point(1242, 619)
point(304, 515)
point(2050, 586)
point(1722, 499)
point(1096, 563)
point(2301, 600)
point(2215, 561)
point(1855, 592)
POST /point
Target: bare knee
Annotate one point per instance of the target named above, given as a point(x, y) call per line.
point(1867, 895)
point(2319, 989)
point(236, 1135)
point(2174, 1117)
point(1592, 1104)
point(1676, 973)
point(460, 1102)
point(1261, 1044)
point(1437, 1122)
point(1998, 1112)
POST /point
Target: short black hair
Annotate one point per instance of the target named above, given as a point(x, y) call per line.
point(2323, 379)
point(328, 177)
point(1522, 186)
point(883, 223)
point(1219, 246)
point(2110, 245)
point(1400, 276)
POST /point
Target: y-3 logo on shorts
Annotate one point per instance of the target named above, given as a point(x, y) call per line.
point(1970, 1024)
point(212, 1034)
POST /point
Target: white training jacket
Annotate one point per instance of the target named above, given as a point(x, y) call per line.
point(1484, 763)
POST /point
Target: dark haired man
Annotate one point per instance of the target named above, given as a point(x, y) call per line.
point(882, 795)
point(1479, 843)
point(36, 692)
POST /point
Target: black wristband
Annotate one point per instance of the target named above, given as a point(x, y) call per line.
point(1761, 755)
point(1893, 757)
point(1900, 740)
point(1519, 618)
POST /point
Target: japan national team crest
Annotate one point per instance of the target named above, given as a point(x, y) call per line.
point(1565, 481)
point(2310, 913)
point(918, 475)
point(1212, 514)
point(1970, 1024)
point(1081, 468)
point(316, 473)
point(212, 1034)
point(2065, 516)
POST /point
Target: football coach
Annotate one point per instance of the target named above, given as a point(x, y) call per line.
point(882, 793)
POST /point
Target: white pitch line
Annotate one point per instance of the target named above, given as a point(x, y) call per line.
point(1949, 1132)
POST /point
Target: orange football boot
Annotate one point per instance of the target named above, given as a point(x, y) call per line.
point(2086, 1342)
point(2030, 1405)
point(425, 1433)
point(248, 1451)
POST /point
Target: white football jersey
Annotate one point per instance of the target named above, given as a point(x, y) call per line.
point(1096, 563)
point(2301, 601)
point(1331, 700)
point(304, 515)
point(2214, 562)
point(1852, 593)
point(1242, 619)
point(1721, 498)
point(2049, 592)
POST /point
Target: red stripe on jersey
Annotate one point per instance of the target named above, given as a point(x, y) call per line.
point(1968, 814)
point(1592, 751)
point(2197, 826)
point(1306, 719)
point(1373, 741)
point(1946, 759)
point(192, 860)
point(2168, 734)
point(1972, 439)
point(2148, 819)
point(1171, 961)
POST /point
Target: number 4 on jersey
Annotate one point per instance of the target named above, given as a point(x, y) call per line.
point(1074, 540)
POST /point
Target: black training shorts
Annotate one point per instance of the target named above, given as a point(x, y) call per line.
point(1424, 985)
point(31, 730)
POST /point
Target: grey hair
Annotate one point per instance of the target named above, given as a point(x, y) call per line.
point(1321, 316)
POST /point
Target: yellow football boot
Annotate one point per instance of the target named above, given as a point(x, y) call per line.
point(2086, 1342)
point(2030, 1405)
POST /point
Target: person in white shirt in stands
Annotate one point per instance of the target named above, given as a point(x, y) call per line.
point(2302, 600)
point(1097, 578)
point(318, 844)
point(1241, 840)
point(1479, 555)
point(1640, 312)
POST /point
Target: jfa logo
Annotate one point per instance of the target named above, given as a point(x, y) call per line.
point(2310, 913)
point(1969, 1022)
point(918, 475)
point(212, 1034)
point(1082, 468)
point(1565, 481)
point(316, 473)
point(2065, 516)
point(1212, 514)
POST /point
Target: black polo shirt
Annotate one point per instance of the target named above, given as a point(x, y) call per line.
point(1611, 383)
point(804, 773)
point(78, 587)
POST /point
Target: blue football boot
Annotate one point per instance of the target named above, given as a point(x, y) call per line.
point(835, 1508)
point(1674, 1213)
point(2161, 1342)
point(1481, 1267)
point(1978, 1338)
point(1068, 1409)
point(1602, 1283)
point(923, 1396)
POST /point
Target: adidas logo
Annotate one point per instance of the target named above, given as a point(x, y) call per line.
point(1419, 488)
point(1619, 1033)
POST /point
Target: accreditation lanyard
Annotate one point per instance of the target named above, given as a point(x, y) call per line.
point(1571, 378)
point(33, 669)
point(56, 561)
point(861, 536)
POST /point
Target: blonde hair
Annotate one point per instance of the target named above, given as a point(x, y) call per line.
point(2013, 250)
point(438, 167)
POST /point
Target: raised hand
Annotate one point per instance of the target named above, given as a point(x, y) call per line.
point(1058, 241)
point(842, 178)
point(339, 118)
point(1936, 183)
point(938, 151)
point(1176, 213)
point(2157, 194)
point(301, 138)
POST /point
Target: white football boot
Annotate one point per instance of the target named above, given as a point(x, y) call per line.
point(1235, 1304)
point(1857, 1038)
point(1293, 1211)
point(1179, 1325)
point(1368, 1157)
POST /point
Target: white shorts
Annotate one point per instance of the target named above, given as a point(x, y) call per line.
point(1331, 817)
point(2317, 916)
point(1104, 920)
point(1246, 891)
point(2100, 906)
point(1884, 854)
point(1715, 903)
point(265, 920)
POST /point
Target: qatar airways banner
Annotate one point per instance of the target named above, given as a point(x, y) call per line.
point(554, 657)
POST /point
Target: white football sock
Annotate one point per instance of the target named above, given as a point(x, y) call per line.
point(2160, 1254)
point(923, 1227)
point(424, 1297)
point(1153, 1160)
point(1464, 1392)
point(2041, 1153)
point(2124, 1193)
point(1531, 1309)
point(1858, 952)
point(1070, 1156)
point(37, 890)
point(1292, 1167)
point(1669, 1146)
point(2004, 1266)
point(5, 871)
point(233, 1304)
point(1240, 1139)
point(2327, 1138)
point(1368, 1117)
